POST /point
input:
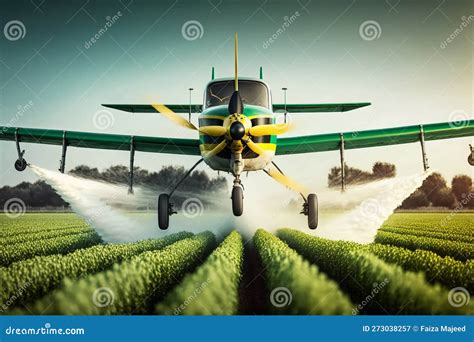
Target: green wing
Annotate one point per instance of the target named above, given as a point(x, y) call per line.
point(319, 107)
point(102, 141)
point(148, 108)
point(376, 137)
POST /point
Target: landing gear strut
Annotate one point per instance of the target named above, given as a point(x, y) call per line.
point(165, 207)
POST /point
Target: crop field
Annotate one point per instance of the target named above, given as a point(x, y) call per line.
point(419, 263)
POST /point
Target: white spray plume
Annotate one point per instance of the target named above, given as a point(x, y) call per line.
point(360, 211)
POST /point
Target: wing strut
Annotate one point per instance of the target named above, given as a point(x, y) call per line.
point(62, 161)
point(423, 151)
point(132, 160)
point(343, 171)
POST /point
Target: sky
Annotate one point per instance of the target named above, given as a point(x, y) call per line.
point(394, 54)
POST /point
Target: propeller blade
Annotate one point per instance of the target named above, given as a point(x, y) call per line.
point(236, 63)
point(254, 147)
point(275, 129)
point(213, 131)
point(286, 181)
point(169, 114)
point(236, 105)
point(217, 149)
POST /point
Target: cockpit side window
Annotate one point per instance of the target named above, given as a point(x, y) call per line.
point(252, 92)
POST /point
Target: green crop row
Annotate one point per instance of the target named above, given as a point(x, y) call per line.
point(295, 286)
point(458, 223)
point(444, 270)
point(214, 288)
point(10, 240)
point(458, 250)
point(27, 280)
point(431, 234)
point(376, 285)
point(56, 245)
point(33, 223)
point(132, 287)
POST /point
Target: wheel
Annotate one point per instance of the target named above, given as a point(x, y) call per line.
point(470, 160)
point(20, 164)
point(163, 211)
point(312, 211)
point(237, 200)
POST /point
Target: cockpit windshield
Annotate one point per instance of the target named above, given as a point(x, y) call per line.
point(252, 92)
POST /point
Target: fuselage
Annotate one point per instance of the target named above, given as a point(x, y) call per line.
point(257, 111)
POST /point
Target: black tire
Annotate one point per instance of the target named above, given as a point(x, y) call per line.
point(237, 200)
point(470, 160)
point(20, 164)
point(312, 211)
point(163, 211)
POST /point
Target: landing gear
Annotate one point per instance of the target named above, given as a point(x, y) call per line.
point(310, 209)
point(237, 200)
point(470, 158)
point(165, 210)
point(20, 163)
point(165, 207)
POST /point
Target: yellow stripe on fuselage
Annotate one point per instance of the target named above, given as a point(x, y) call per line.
point(264, 146)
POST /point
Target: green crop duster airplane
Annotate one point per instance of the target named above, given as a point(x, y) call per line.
point(238, 133)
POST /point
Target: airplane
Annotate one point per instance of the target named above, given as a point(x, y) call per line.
point(238, 132)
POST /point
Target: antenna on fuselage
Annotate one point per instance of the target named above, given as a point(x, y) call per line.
point(261, 73)
point(284, 92)
point(212, 74)
point(190, 109)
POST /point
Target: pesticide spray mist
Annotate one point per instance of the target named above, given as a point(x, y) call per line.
point(355, 215)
